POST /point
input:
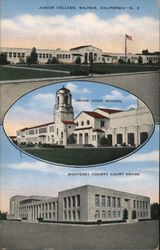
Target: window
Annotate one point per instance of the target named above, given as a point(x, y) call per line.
point(69, 201)
point(10, 54)
point(143, 204)
point(54, 205)
point(140, 214)
point(62, 135)
point(42, 130)
point(114, 214)
point(103, 214)
point(50, 206)
point(77, 124)
point(44, 56)
point(97, 200)
point(108, 201)
point(109, 214)
point(50, 215)
point(97, 215)
point(73, 201)
point(65, 215)
point(103, 201)
point(118, 202)
point(74, 215)
point(51, 129)
point(40, 55)
point(78, 200)
point(114, 201)
point(88, 122)
point(134, 204)
point(54, 215)
point(119, 213)
point(46, 215)
point(19, 54)
point(78, 215)
point(57, 131)
point(14, 54)
point(140, 204)
point(65, 203)
point(46, 206)
point(42, 206)
point(137, 214)
point(102, 123)
point(137, 204)
point(69, 215)
point(82, 123)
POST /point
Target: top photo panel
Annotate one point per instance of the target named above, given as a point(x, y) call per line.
point(63, 39)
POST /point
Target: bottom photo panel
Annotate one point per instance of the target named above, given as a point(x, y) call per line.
point(110, 206)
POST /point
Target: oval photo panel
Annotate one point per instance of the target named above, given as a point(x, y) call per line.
point(79, 123)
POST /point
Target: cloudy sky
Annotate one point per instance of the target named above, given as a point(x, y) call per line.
point(37, 107)
point(25, 24)
point(21, 174)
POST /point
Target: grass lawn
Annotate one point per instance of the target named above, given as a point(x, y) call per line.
point(79, 156)
point(97, 68)
point(17, 74)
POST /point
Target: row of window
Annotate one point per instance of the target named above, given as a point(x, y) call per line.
point(140, 204)
point(40, 131)
point(75, 215)
point(82, 123)
point(45, 206)
point(14, 54)
point(73, 201)
point(107, 214)
point(64, 56)
point(111, 201)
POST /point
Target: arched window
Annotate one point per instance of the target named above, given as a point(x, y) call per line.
point(66, 99)
point(88, 122)
point(61, 135)
point(82, 123)
point(58, 100)
point(77, 124)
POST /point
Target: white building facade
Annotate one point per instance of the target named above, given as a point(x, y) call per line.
point(120, 128)
point(19, 55)
point(82, 204)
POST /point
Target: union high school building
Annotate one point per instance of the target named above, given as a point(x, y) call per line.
point(16, 55)
point(131, 127)
point(86, 204)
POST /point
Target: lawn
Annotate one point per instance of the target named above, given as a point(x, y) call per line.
point(79, 156)
point(17, 74)
point(97, 68)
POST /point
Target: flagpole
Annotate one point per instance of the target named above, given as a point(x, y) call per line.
point(125, 48)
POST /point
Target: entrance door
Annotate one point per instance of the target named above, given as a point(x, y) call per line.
point(109, 137)
point(80, 139)
point(125, 214)
point(119, 139)
point(86, 138)
point(131, 139)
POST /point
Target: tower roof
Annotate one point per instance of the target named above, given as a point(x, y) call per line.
point(63, 89)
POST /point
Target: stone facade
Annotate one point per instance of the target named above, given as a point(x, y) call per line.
point(19, 55)
point(82, 204)
point(120, 127)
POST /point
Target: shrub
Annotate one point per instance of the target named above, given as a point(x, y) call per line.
point(71, 139)
point(103, 141)
point(78, 60)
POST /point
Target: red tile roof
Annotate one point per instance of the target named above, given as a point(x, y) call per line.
point(80, 47)
point(68, 122)
point(95, 115)
point(110, 111)
point(83, 128)
point(38, 126)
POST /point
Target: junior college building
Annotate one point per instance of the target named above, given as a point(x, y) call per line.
point(85, 52)
point(120, 127)
point(81, 204)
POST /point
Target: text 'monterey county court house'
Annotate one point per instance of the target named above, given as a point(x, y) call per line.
point(130, 127)
point(84, 204)
point(16, 55)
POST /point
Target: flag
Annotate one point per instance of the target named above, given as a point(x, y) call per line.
point(129, 37)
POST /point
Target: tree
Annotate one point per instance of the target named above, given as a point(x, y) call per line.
point(32, 59)
point(78, 60)
point(133, 214)
point(140, 60)
point(155, 209)
point(145, 52)
point(120, 61)
point(103, 141)
point(71, 139)
point(53, 60)
point(3, 216)
point(3, 59)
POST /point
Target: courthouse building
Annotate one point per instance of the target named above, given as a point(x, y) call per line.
point(16, 55)
point(121, 128)
point(84, 204)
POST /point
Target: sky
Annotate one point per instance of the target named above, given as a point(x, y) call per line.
point(46, 24)
point(24, 175)
point(37, 107)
